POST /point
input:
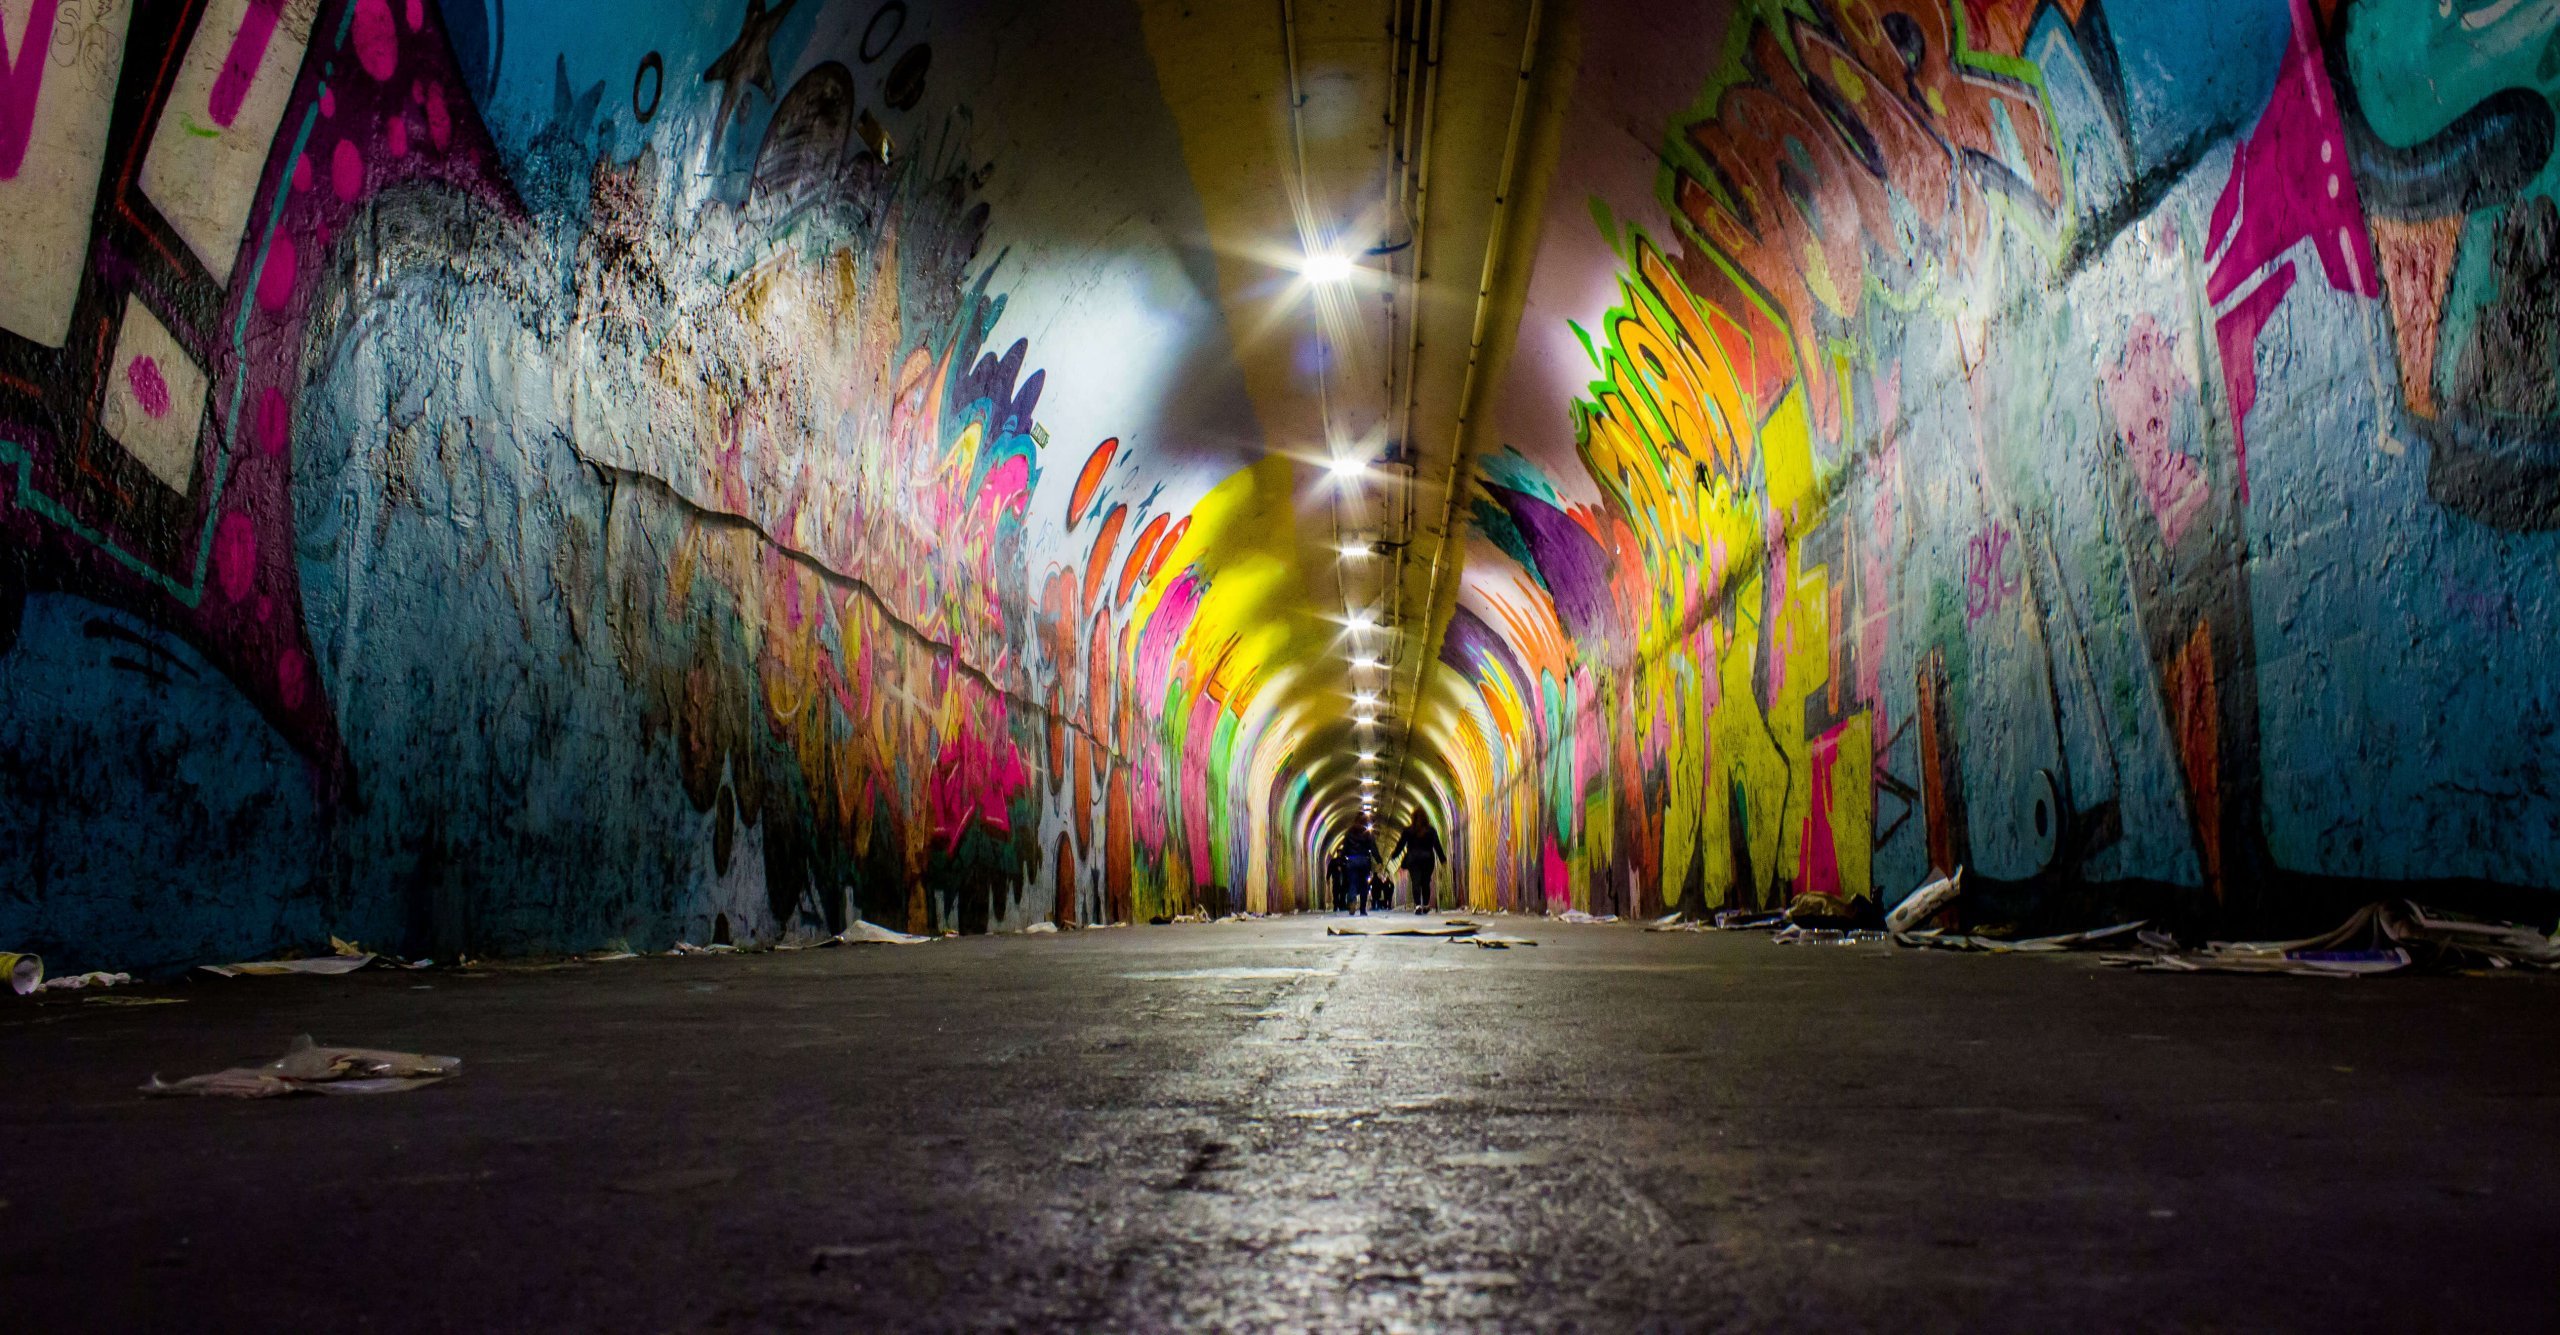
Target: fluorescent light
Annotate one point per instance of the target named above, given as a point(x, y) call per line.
point(1327, 266)
point(1353, 551)
point(1363, 621)
point(1366, 720)
point(1365, 698)
point(1368, 755)
point(1366, 663)
point(1368, 781)
point(1347, 467)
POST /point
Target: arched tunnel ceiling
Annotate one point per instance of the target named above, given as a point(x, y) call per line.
point(1331, 127)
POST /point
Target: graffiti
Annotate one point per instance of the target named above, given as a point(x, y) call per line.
point(2449, 119)
point(1990, 579)
point(1980, 483)
point(510, 530)
point(1838, 130)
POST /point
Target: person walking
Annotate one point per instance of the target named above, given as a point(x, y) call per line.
point(1422, 855)
point(1360, 851)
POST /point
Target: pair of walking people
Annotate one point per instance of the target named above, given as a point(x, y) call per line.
point(1360, 878)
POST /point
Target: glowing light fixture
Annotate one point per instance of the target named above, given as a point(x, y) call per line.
point(1368, 781)
point(1347, 467)
point(1327, 266)
point(1353, 551)
point(1365, 698)
point(1366, 663)
point(1367, 756)
point(1363, 621)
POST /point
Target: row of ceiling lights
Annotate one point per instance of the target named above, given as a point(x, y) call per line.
point(1349, 469)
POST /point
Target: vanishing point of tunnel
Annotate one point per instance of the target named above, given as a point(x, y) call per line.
point(1361, 665)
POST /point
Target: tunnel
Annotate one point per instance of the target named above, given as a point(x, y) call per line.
point(1279, 664)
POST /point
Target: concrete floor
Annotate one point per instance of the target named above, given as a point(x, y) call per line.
point(1256, 1126)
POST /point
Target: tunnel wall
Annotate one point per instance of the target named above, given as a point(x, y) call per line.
point(2107, 445)
point(486, 477)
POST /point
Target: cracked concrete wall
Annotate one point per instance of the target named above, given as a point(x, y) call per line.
point(489, 477)
point(2106, 445)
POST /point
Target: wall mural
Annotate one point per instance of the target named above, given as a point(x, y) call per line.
point(2112, 451)
point(455, 503)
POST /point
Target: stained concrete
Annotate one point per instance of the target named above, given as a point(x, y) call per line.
point(1257, 1126)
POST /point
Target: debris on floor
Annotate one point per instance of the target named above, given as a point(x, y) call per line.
point(1814, 909)
point(24, 972)
point(1452, 927)
point(1495, 942)
point(1041, 929)
point(133, 1001)
point(327, 965)
point(1797, 934)
point(80, 982)
point(343, 957)
point(2380, 938)
point(1727, 920)
point(308, 1068)
point(863, 933)
point(1997, 945)
point(1924, 903)
point(1577, 915)
point(689, 948)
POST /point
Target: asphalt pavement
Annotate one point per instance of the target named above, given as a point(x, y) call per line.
point(1257, 1126)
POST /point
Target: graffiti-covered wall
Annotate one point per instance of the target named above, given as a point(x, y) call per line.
point(486, 475)
point(2108, 445)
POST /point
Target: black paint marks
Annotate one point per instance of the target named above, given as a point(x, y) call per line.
point(651, 76)
point(905, 87)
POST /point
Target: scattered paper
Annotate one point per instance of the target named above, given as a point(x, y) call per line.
point(1577, 915)
point(1495, 942)
point(873, 934)
point(1924, 903)
point(308, 1068)
point(1728, 920)
point(1794, 934)
point(81, 981)
point(2380, 938)
point(1453, 927)
point(1992, 945)
point(325, 965)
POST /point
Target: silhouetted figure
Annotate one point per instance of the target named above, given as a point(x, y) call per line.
point(1360, 851)
point(1420, 848)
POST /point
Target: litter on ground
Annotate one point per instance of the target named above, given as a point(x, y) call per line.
point(308, 1068)
point(2380, 938)
point(1924, 903)
point(79, 982)
point(1994, 945)
point(343, 957)
point(1385, 927)
point(863, 933)
point(1796, 934)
